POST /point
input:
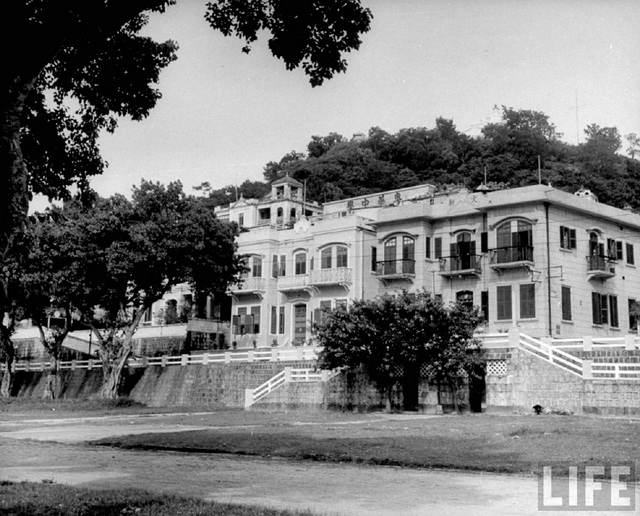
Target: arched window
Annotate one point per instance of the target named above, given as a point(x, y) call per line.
point(515, 241)
point(463, 251)
point(279, 214)
point(292, 214)
point(301, 263)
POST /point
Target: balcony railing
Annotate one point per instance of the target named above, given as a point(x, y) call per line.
point(599, 266)
point(462, 265)
point(396, 268)
point(297, 282)
point(249, 285)
point(513, 256)
point(336, 276)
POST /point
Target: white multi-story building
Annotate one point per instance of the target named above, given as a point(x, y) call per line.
point(549, 262)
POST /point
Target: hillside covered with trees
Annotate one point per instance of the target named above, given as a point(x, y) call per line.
point(335, 167)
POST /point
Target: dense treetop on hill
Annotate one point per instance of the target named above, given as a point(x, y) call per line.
point(337, 168)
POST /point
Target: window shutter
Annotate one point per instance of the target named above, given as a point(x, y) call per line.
point(236, 324)
point(427, 247)
point(484, 242)
point(572, 239)
point(374, 258)
point(317, 316)
point(619, 254)
point(613, 311)
point(484, 304)
point(274, 266)
point(596, 309)
point(605, 310)
point(453, 250)
point(437, 248)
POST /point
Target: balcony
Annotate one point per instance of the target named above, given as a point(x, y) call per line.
point(600, 267)
point(511, 257)
point(249, 286)
point(388, 270)
point(327, 277)
point(460, 266)
point(293, 283)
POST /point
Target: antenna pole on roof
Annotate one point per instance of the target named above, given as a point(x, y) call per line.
point(539, 171)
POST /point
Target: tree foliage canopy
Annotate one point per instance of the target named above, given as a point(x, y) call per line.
point(81, 64)
point(388, 334)
point(336, 168)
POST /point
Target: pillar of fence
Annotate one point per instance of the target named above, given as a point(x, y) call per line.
point(184, 360)
point(287, 374)
point(248, 398)
point(629, 342)
point(587, 370)
point(514, 337)
point(250, 355)
point(587, 343)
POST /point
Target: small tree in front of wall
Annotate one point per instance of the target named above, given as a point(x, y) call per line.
point(386, 335)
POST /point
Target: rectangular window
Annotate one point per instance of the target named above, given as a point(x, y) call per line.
point(527, 301)
point(235, 324)
point(634, 314)
point(567, 238)
point(484, 305)
point(374, 258)
point(600, 308)
point(301, 263)
point(255, 314)
point(630, 257)
point(427, 247)
point(274, 266)
point(257, 267)
point(281, 321)
point(611, 248)
point(613, 312)
point(242, 321)
point(437, 251)
point(503, 296)
point(241, 219)
point(341, 257)
point(283, 265)
point(321, 314)
point(274, 320)
point(341, 303)
point(566, 304)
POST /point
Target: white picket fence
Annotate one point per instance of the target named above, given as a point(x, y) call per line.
point(226, 357)
point(554, 351)
point(289, 374)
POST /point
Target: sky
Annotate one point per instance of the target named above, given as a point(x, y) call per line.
point(224, 114)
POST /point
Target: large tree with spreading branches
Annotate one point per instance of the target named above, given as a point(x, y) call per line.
point(74, 66)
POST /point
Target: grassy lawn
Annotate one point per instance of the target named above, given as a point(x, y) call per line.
point(33, 499)
point(501, 443)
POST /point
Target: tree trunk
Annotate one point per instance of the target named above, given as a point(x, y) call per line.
point(51, 387)
point(389, 401)
point(9, 353)
point(7, 379)
point(112, 374)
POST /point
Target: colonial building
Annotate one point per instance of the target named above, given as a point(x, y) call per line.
point(546, 261)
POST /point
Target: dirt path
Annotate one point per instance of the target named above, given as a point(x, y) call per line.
point(341, 489)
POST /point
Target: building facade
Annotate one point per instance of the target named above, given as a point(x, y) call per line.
point(546, 261)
